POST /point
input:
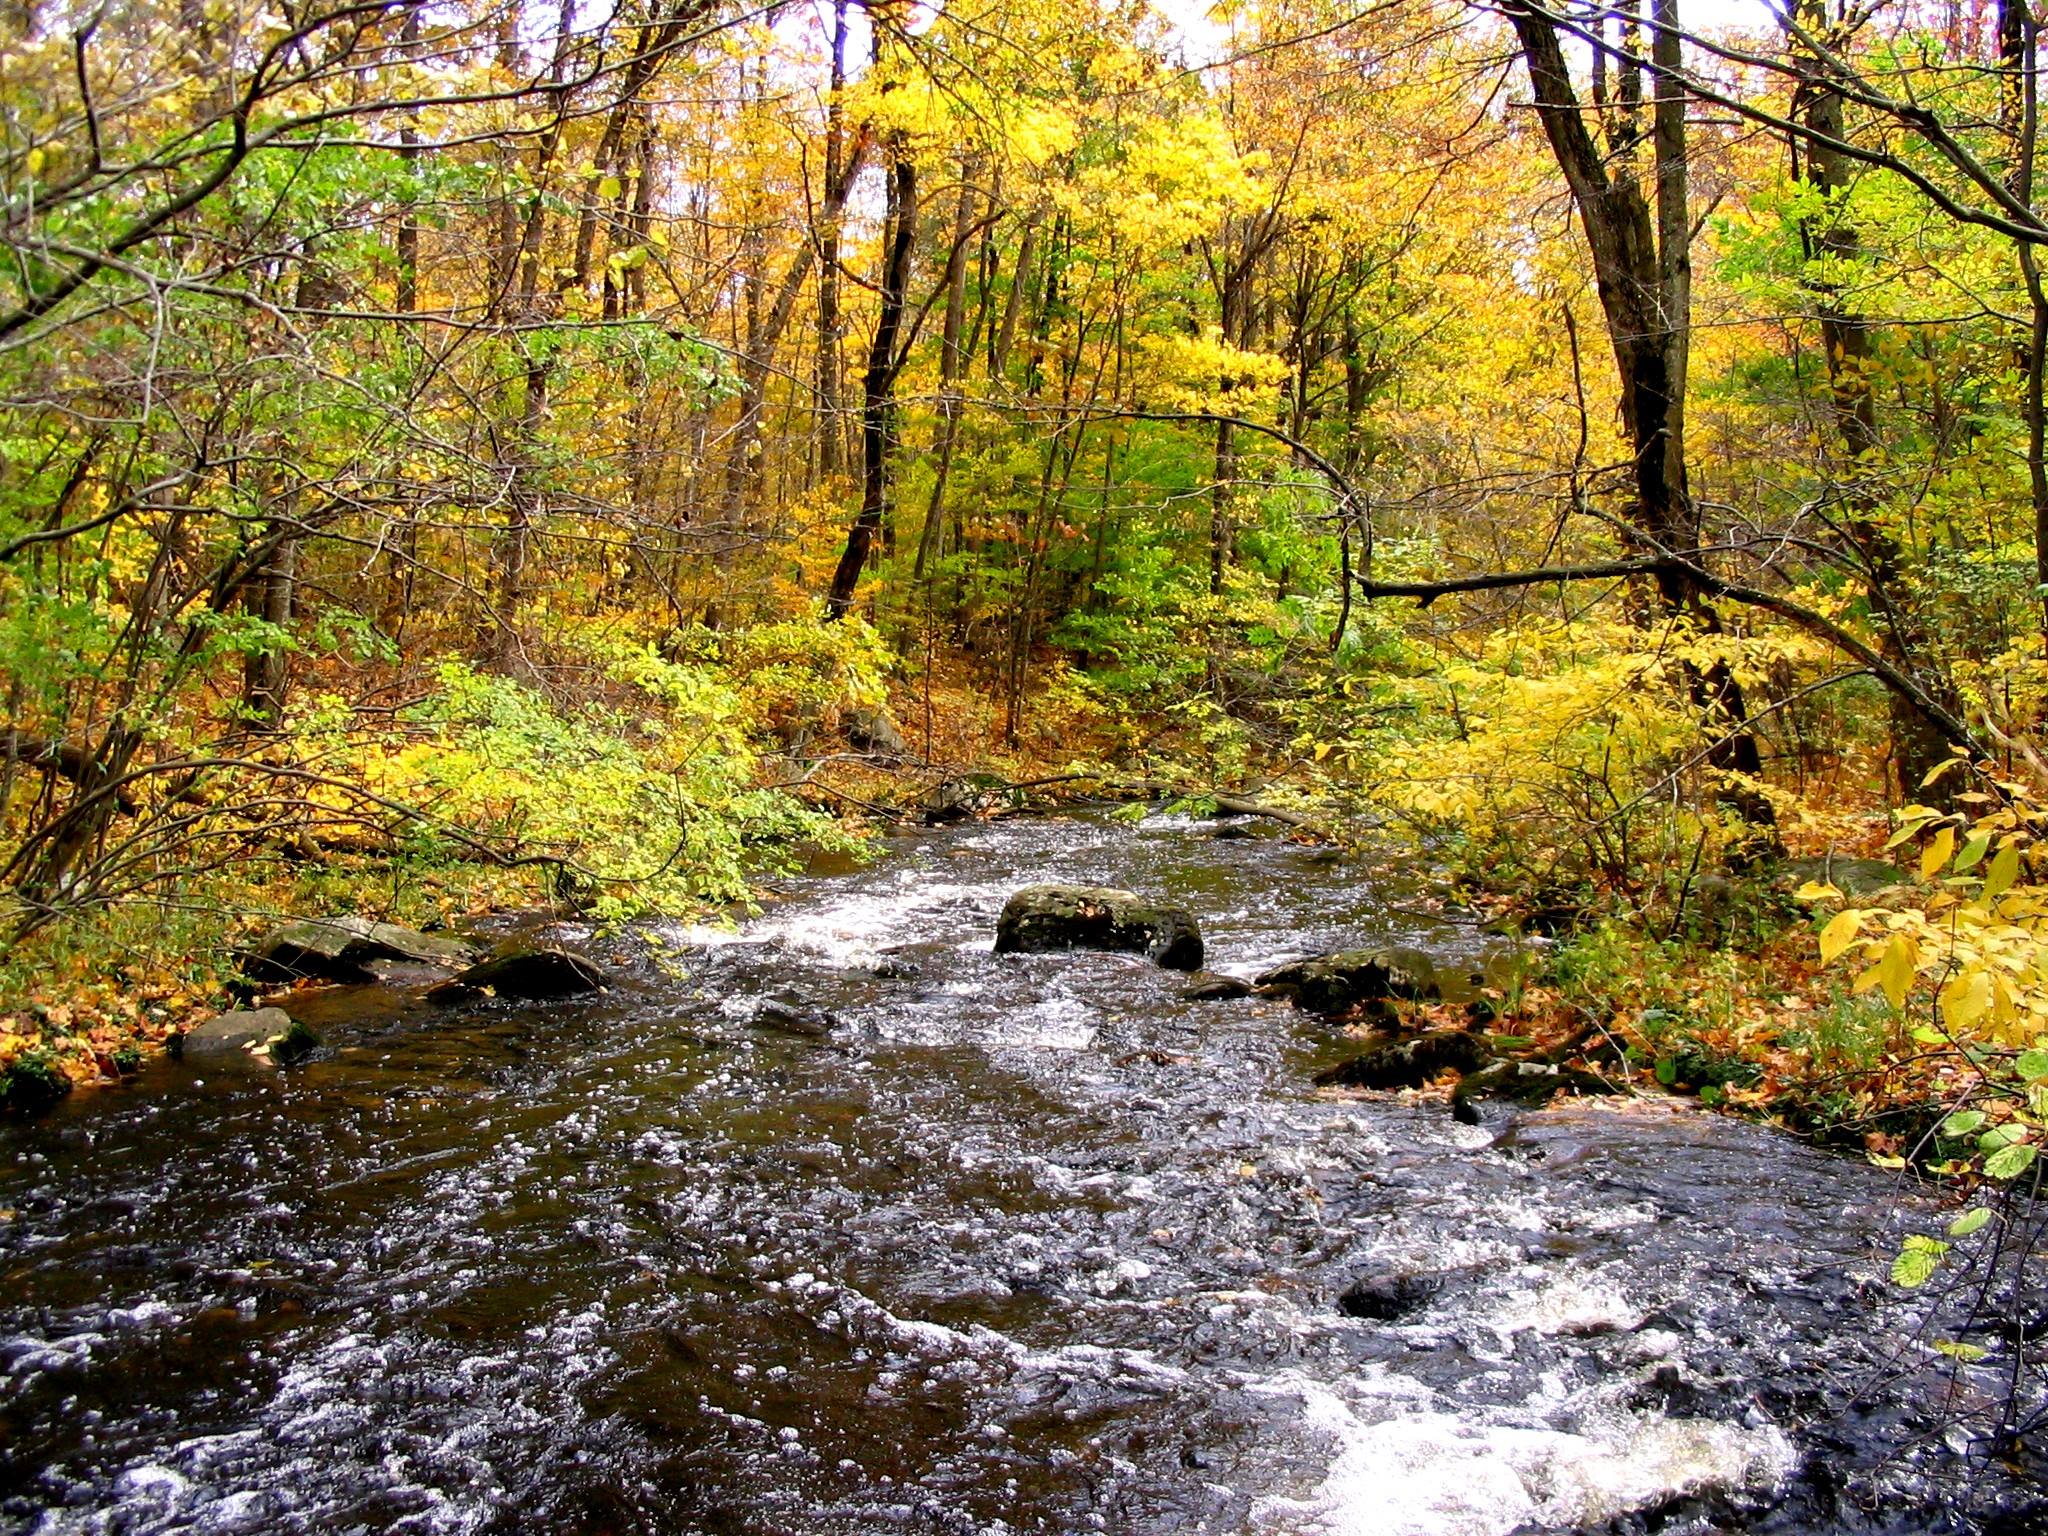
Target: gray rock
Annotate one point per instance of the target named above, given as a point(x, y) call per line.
point(873, 732)
point(1852, 877)
point(1409, 1063)
point(261, 1034)
point(1040, 919)
point(1214, 987)
point(525, 973)
point(345, 949)
point(1236, 831)
point(1386, 1298)
point(1353, 977)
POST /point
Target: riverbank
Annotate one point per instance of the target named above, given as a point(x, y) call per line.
point(1734, 1010)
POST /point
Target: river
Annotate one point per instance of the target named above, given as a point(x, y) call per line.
point(1028, 1244)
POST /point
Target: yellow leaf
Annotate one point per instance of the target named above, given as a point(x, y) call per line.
point(1911, 819)
point(1937, 853)
point(1934, 773)
point(1965, 1000)
point(2005, 868)
point(1839, 934)
point(1895, 970)
point(1814, 890)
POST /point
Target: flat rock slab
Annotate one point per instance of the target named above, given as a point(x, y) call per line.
point(793, 1018)
point(1215, 987)
point(1352, 978)
point(1043, 919)
point(346, 948)
point(263, 1034)
point(535, 975)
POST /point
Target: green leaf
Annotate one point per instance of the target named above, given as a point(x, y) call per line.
point(1917, 1261)
point(2032, 1065)
point(1963, 1122)
point(2009, 1162)
point(1964, 1352)
point(1969, 1221)
point(1999, 1136)
point(1973, 850)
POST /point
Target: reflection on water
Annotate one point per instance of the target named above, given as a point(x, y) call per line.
point(1028, 1245)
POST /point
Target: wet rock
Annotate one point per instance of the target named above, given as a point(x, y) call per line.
point(1040, 919)
point(1528, 1084)
point(526, 973)
point(1387, 1298)
point(262, 1034)
point(1410, 1063)
point(1234, 831)
point(345, 949)
point(793, 1018)
point(949, 801)
point(873, 732)
point(1353, 978)
point(895, 968)
point(32, 1084)
point(1215, 987)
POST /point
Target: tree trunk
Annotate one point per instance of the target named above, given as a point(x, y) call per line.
point(831, 435)
point(878, 386)
point(1643, 273)
point(266, 674)
point(1917, 745)
point(951, 366)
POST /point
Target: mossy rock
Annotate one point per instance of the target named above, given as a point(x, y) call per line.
point(1042, 919)
point(1353, 978)
point(32, 1084)
point(344, 949)
point(1410, 1063)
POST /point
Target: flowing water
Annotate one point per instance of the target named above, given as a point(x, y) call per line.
point(1029, 1244)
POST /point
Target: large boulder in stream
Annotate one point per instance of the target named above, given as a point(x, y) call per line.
point(1043, 918)
point(1353, 978)
point(525, 973)
point(346, 949)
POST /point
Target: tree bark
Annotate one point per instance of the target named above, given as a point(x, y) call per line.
point(1642, 271)
point(878, 386)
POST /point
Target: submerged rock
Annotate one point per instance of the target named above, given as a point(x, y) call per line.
point(264, 1034)
point(1215, 987)
point(1385, 1298)
point(1410, 1063)
point(1040, 919)
point(1352, 978)
point(1528, 1084)
point(535, 974)
point(793, 1018)
point(345, 948)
